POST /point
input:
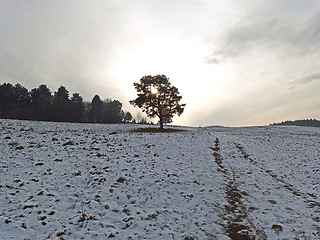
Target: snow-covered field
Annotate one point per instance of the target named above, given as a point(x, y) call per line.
point(87, 181)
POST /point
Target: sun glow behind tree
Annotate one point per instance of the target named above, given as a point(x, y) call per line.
point(158, 98)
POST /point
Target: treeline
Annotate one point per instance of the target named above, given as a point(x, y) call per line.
point(39, 104)
point(303, 122)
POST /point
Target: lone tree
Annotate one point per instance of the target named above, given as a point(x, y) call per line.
point(158, 98)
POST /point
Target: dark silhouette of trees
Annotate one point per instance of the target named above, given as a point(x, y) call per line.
point(303, 122)
point(61, 105)
point(112, 111)
point(127, 117)
point(16, 102)
point(21, 102)
point(95, 114)
point(6, 99)
point(77, 108)
point(41, 103)
point(158, 98)
point(108, 111)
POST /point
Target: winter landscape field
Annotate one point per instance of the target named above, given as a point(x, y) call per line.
point(99, 181)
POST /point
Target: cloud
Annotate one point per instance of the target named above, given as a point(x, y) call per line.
point(213, 60)
point(309, 79)
point(61, 43)
point(102, 47)
point(275, 105)
point(304, 80)
point(290, 28)
point(77, 43)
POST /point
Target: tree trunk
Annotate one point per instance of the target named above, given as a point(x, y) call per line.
point(161, 122)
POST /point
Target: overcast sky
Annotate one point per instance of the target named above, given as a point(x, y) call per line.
point(236, 62)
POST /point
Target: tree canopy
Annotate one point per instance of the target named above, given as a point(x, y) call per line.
point(158, 98)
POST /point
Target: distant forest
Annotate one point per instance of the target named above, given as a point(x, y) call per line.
point(39, 104)
point(304, 122)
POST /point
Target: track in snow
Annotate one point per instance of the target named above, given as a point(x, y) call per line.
point(271, 204)
point(239, 225)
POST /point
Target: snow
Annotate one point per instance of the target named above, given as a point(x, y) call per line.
point(97, 181)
